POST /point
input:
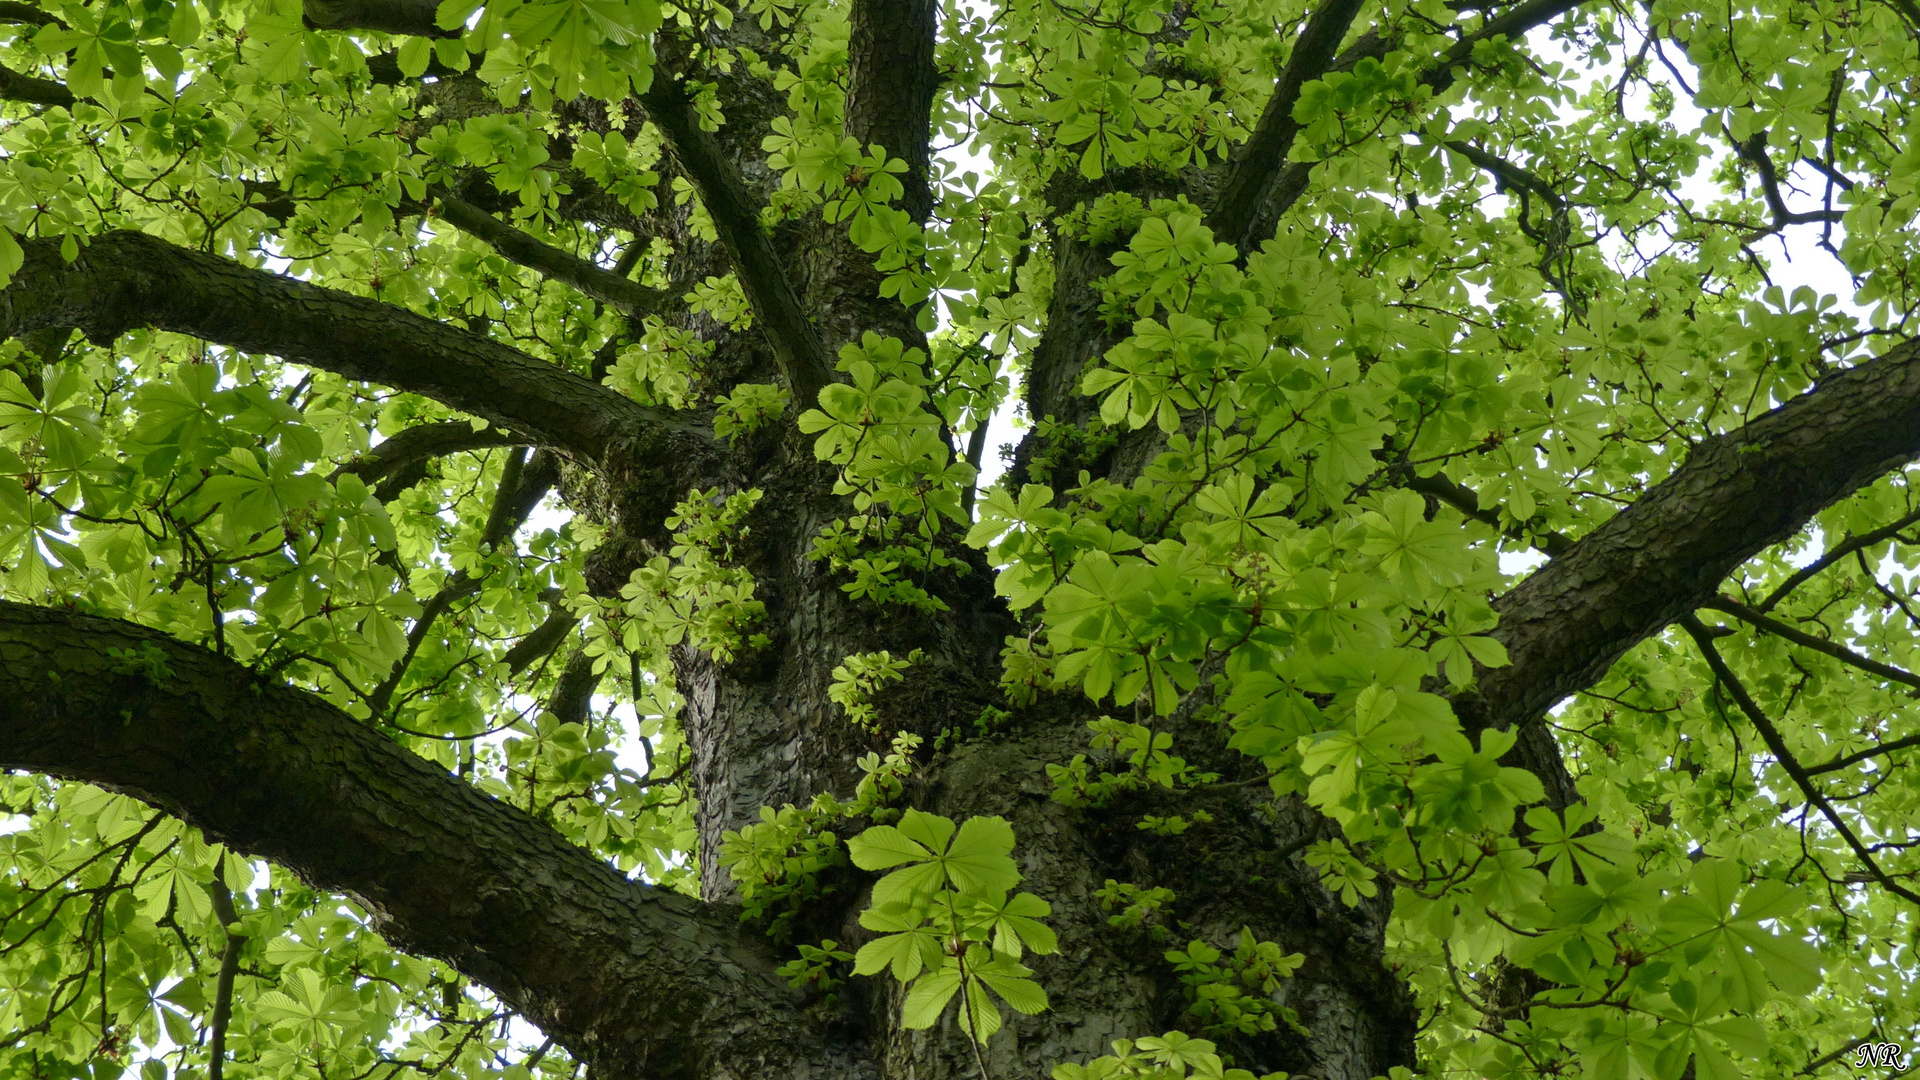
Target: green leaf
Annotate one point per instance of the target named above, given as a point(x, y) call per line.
point(928, 997)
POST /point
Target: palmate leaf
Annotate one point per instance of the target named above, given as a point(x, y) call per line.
point(308, 1003)
point(1561, 845)
point(1016, 923)
point(974, 858)
point(1705, 923)
point(980, 862)
point(979, 1016)
point(907, 945)
point(1009, 980)
point(928, 997)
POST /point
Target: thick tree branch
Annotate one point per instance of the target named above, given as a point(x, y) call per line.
point(1259, 162)
point(891, 81)
point(386, 16)
point(601, 284)
point(11, 11)
point(15, 86)
point(1667, 553)
point(736, 217)
point(124, 280)
point(634, 980)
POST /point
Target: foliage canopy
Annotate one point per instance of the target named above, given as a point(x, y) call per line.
point(589, 398)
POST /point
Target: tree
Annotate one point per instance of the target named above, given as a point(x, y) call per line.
point(507, 539)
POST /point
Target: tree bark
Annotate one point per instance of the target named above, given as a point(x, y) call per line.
point(637, 982)
point(632, 979)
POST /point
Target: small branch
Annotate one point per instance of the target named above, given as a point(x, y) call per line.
point(1754, 152)
point(1464, 499)
point(603, 285)
point(1840, 179)
point(1778, 747)
point(385, 68)
point(1509, 174)
point(573, 692)
point(976, 449)
point(1805, 640)
point(229, 967)
point(522, 486)
point(1848, 760)
point(1840, 551)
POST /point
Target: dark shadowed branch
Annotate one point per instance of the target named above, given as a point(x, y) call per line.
point(401, 461)
point(1846, 547)
point(1767, 624)
point(635, 980)
point(523, 484)
point(1259, 162)
point(229, 967)
point(736, 217)
point(1465, 500)
point(1286, 189)
point(15, 86)
point(414, 17)
point(603, 285)
point(126, 280)
point(1703, 639)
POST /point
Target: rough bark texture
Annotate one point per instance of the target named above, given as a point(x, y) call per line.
point(635, 980)
point(637, 983)
point(890, 86)
point(1668, 552)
